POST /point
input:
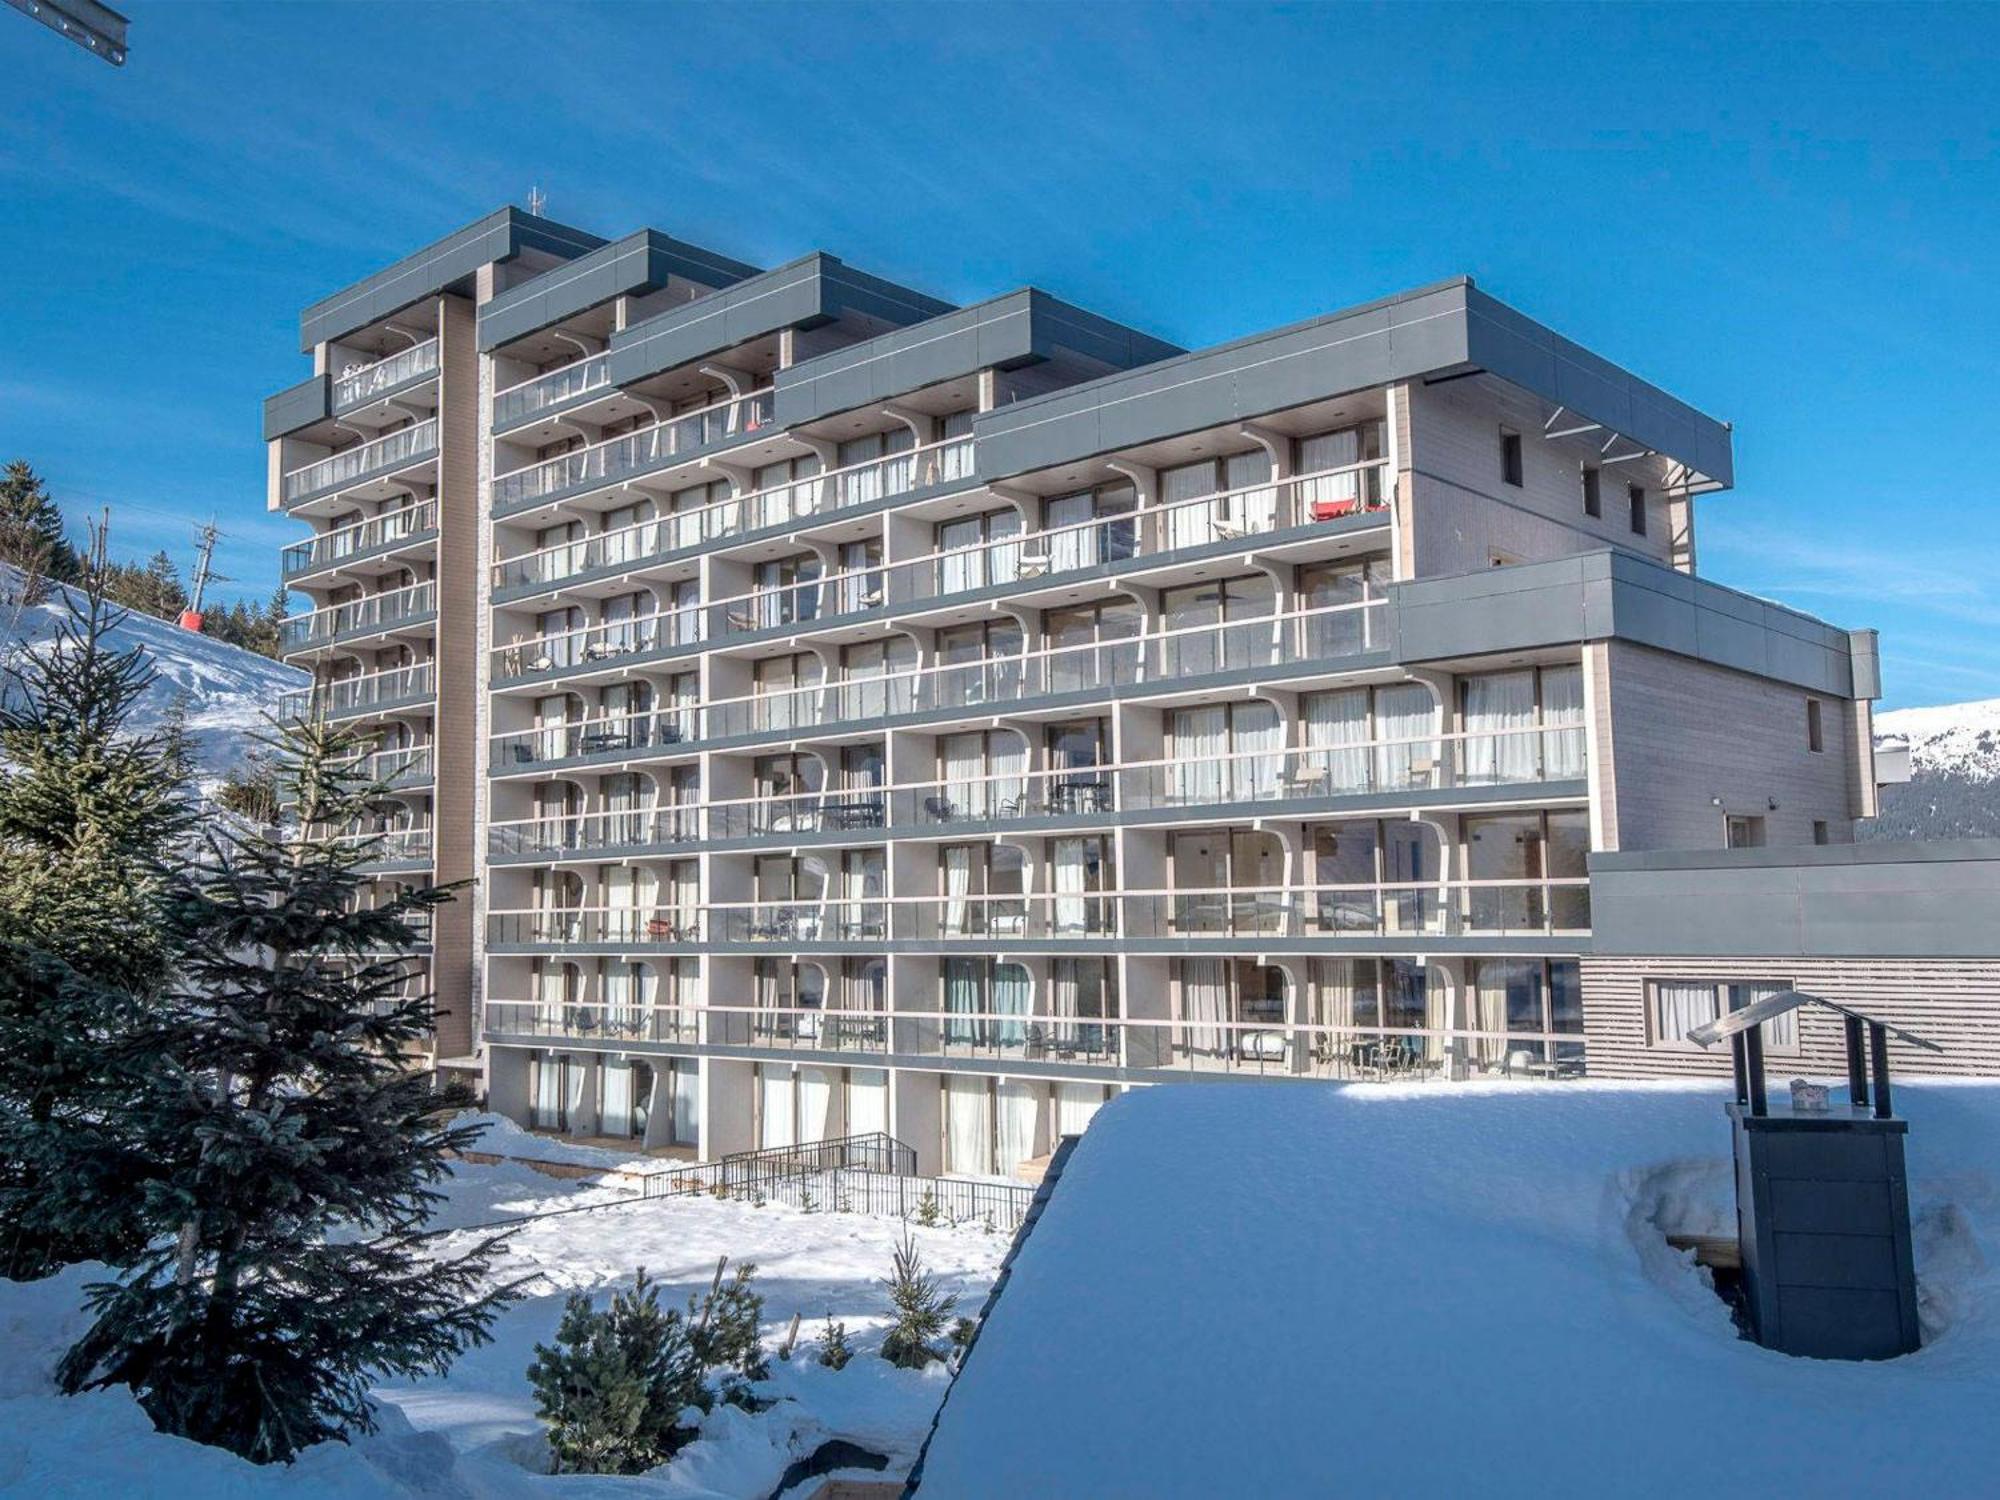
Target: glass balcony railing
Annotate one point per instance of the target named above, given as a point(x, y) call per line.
point(374, 612)
point(354, 695)
point(519, 402)
point(1261, 916)
point(1532, 755)
point(370, 535)
point(1261, 642)
point(363, 383)
point(406, 445)
point(635, 453)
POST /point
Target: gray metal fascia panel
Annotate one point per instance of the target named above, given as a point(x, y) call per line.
point(1864, 656)
point(496, 237)
point(1415, 333)
point(310, 401)
point(1060, 325)
point(996, 333)
point(640, 262)
point(1841, 901)
point(1519, 350)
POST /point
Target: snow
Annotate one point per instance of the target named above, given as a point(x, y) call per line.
point(226, 691)
point(472, 1434)
point(1305, 1289)
point(1960, 739)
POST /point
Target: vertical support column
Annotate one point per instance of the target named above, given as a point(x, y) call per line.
point(1857, 1068)
point(458, 674)
point(1878, 1048)
point(1753, 1064)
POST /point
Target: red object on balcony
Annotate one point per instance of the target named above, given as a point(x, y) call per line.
point(1333, 510)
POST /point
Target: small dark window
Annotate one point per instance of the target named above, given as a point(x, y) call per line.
point(1815, 726)
point(1593, 496)
point(1510, 457)
point(1636, 494)
point(1745, 831)
point(1819, 831)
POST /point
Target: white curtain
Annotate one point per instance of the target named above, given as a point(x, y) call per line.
point(1205, 1003)
point(968, 1126)
point(617, 1116)
point(547, 1111)
point(685, 1081)
point(1329, 450)
point(1679, 1007)
point(819, 1105)
point(1261, 733)
point(958, 888)
point(1009, 760)
point(867, 1101)
point(961, 562)
point(1003, 552)
point(1072, 540)
point(1013, 995)
point(618, 994)
point(1018, 1115)
point(1075, 1104)
point(774, 1089)
point(1070, 857)
point(1405, 721)
point(1562, 720)
point(964, 996)
point(1190, 525)
point(1336, 726)
point(965, 786)
point(1253, 503)
point(1490, 1004)
point(1201, 739)
point(1499, 743)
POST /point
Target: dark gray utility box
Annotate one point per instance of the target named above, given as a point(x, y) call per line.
point(1823, 1216)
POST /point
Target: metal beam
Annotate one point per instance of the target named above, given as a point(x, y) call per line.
point(98, 29)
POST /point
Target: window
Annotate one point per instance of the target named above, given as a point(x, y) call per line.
point(1820, 835)
point(1744, 831)
point(1593, 493)
point(1674, 1007)
point(1510, 457)
point(1635, 495)
point(1815, 726)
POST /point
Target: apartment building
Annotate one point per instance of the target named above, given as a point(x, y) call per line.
point(866, 713)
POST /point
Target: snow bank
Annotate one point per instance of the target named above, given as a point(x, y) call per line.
point(473, 1434)
point(224, 690)
point(1308, 1290)
point(1956, 739)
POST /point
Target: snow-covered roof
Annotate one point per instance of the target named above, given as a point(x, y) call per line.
point(1306, 1290)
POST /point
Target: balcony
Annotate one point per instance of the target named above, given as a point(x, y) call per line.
point(1150, 791)
point(757, 510)
point(1273, 1047)
point(1309, 917)
point(519, 402)
point(372, 692)
point(380, 535)
point(370, 615)
point(392, 844)
point(1296, 644)
point(385, 457)
point(358, 386)
point(623, 458)
point(409, 765)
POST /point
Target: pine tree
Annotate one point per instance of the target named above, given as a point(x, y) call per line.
point(834, 1352)
point(614, 1384)
point(89, 814)
point(284, 1107)
point(922, 1309)
point(31, 527)
point(160, 585)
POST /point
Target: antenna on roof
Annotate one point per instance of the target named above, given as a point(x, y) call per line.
point(536, 202)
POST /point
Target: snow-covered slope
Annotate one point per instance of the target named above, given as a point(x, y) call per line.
point(1954, 788)
point(1956, 739)
point(224, 690)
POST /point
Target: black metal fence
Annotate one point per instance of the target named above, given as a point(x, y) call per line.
point(864, 1174)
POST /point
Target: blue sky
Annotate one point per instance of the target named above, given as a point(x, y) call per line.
point(1787, 217)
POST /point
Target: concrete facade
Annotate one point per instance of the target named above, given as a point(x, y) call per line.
point(865, 713)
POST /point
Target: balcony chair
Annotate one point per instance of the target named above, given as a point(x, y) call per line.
point(1031, 565)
